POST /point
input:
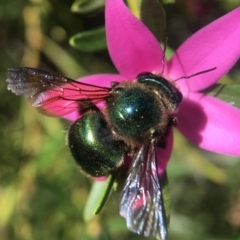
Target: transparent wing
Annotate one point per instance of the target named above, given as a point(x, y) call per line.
point(53, 94)
point(141, 198)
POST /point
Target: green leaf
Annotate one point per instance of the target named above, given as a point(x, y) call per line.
point(62, 59)
point(154, 17)
point(227, 92)
point(87, 6)
point(166, 196)
point(97, 197)
point(90, 41)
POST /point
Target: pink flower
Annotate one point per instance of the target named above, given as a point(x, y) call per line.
point(207, 121)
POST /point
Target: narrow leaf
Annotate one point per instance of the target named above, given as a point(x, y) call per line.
point(87, 6)
point(227, 92)
point(154, 17)
point(62, 59)
point(98, 196)
point(90, 41)
point(105, 194)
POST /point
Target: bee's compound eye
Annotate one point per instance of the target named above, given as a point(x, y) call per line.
point(163, 87)
point(93, 147)
point(144, 74)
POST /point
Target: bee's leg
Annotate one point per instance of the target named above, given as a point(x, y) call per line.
point(162, 141)
point(162, 136)
point(172, 121)
point(87, 106)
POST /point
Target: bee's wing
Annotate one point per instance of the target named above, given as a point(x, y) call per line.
point(53, 94)
point(141, 198)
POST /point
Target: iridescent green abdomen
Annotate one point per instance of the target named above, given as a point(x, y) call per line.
point(93, 146)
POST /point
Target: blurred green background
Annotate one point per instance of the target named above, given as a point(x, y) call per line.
point(42, 192)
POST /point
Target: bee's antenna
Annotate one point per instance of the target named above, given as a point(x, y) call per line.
point(164, 55)
point(195, 74)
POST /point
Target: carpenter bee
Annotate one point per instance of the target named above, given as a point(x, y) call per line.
point(135, 121)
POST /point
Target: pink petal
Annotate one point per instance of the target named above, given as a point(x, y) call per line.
point(210, 123)
point(163, 155)
point(132, 47)
point(103, 80)
point(216, 45)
